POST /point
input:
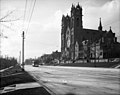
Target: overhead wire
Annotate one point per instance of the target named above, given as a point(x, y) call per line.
point(29, 11)
point(24, 14)
point(30, 16)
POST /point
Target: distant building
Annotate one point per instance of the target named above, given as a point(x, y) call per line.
point(56, 55)
point(73, 35)
point(52, 58)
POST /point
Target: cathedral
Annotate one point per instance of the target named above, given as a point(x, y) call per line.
point(78, 42)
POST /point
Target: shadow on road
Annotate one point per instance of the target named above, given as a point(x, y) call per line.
point(30, 91)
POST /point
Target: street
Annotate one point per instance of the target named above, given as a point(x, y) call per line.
point(77, 80)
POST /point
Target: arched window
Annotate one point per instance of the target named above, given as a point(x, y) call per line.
point(102, 39)
point(76, 50)
point(77, 22)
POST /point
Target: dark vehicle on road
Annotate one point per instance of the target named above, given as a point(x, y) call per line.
point(35, 63)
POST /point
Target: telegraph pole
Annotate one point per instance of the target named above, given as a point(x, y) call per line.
point(23, 37)
point(19, 57)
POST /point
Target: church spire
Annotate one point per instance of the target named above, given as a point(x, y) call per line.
point(110, 29)
point(100, 25)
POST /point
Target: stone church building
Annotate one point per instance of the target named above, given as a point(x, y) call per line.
point(78, 42)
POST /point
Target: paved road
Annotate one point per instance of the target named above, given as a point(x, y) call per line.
point(77, 80)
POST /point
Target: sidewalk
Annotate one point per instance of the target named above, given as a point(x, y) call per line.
point(32, 88)
point(17, 82)
point(2, 70)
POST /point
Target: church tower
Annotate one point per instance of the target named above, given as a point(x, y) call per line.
point(76, 27)
point(76, 17)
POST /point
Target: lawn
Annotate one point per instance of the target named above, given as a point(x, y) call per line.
point(14, 75)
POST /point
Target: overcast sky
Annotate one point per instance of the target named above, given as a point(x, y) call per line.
point(44, 32)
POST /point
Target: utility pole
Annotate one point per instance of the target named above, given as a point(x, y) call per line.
point(20, 58)
point(23, 51)
point(0, 45)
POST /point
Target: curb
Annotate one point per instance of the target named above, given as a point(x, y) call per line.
point(21, 86)
point(44, 86)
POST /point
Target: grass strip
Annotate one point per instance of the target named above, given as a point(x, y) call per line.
point(30, 91)
point(13, 70)
point(23, 77)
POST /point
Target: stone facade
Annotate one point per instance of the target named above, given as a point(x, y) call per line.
point(73, 35)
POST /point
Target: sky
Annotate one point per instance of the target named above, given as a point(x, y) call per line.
point(44, 30)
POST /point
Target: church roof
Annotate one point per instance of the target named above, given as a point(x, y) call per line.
point(92, 34)
point(91, 30)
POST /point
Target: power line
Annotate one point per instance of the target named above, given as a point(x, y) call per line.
point(30, 17)
point(25, 13)
point(29, 12)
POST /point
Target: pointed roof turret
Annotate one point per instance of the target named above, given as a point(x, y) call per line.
point(67, 15)
point(78, 6)
point(72, 9)
point(100, 25)
point(110, 34)
point(110, 30)
point(63, 17)
point(73, 5)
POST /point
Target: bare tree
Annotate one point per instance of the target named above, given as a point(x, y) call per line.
point(4, 20)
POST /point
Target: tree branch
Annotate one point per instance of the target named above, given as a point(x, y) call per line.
point(6, 15)
point(10, 20)
point(8, 27)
